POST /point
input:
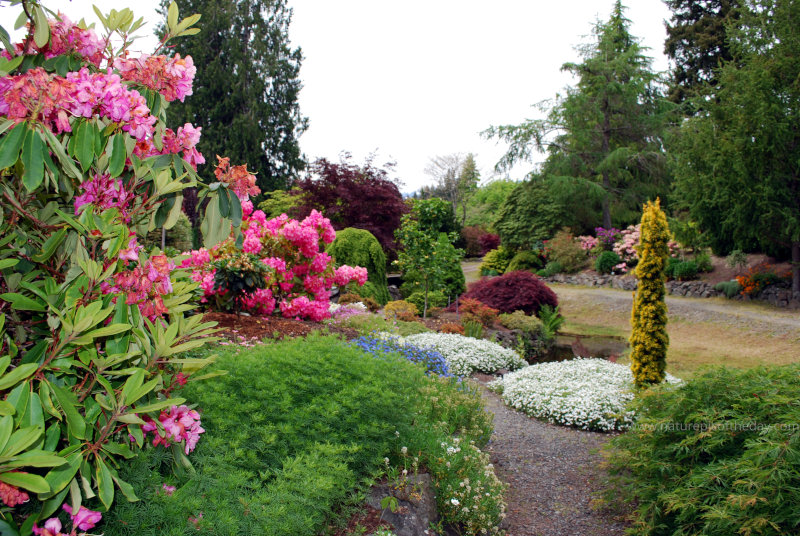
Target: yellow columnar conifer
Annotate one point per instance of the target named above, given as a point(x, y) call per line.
point(649, 339)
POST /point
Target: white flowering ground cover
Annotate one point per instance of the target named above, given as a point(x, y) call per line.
point(465, 355)
point(590, 394)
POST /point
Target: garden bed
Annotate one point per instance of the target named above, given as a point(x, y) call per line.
point(245, 328)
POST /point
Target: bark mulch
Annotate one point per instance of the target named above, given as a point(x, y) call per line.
point(248, 329)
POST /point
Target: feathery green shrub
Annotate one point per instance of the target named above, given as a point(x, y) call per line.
point(358, 247)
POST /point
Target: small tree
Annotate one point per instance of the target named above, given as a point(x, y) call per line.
point(427, 255)
point(649, 339)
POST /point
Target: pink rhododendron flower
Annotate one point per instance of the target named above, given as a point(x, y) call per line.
point(84, 519)
point(52, 527)
point(131, 253)
point(170, 76)
point(239, 180)
point(104, 192)
point(39, 96)
point(180, 424)
point(145, 285)
point(11, 495)
point(66, 38)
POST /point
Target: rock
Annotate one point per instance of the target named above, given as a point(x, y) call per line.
point(415, 513)
point(394, 293)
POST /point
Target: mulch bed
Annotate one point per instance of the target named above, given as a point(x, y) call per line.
point(366, 521)
point(244, 328)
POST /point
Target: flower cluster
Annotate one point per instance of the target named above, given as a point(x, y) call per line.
point(760, 276)
point(590, 394)
point(11, 495)
point(299, 273)
point(172, 77)
point(184, 141)
point(432, 360)
point(66, 38)
point(83, 519)
point(342, 312)
point(239, 180)
point(103, 192)
point(465, 355)
point(607, 237)
point(625, 247)
point(588, 243)
point(180, 424)
point(145, 285)
point(472, 494)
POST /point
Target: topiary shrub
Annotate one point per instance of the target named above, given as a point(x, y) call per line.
point(525, 260)
point(685, 271)
point(717, 455)
point(513, 291)
point(606, 262)
point(496, 261)
point(729, 288)
point(401, 309)
point(358, 247)
point(649, 339)
point(436, 298)
point(567, 252)
point(475, 311)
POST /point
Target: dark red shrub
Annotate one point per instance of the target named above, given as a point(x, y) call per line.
point(472, 235)
point(514, 291)
point(474, 310)
point(488, 242)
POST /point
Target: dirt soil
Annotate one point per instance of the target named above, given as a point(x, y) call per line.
point(366, 521)
point(246, 328)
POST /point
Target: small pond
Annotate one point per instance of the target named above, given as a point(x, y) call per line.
point(568, 346)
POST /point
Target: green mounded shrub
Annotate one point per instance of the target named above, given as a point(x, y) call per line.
point(717, 455)
point(532, 343)
point(550, 269)
point(672, 262)
point(606, 262)
point(436, 298)
point(703, 260)
point(366, 324)
point(357, 247)
point(453, 282)
point(685, 271)
point(525, 260)
point(496, 261)
point(567, 252)
point(521, 321)
point(400, 310)
point(291, 431)
point(729, 288)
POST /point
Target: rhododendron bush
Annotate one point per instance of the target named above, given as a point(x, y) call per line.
point(91, 327)
point(281, 266)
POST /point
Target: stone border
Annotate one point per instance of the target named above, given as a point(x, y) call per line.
point(774, 295)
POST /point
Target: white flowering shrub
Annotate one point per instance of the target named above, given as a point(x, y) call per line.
point(590, 394)
point(466, 355)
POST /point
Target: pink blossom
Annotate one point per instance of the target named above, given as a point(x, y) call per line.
point(84, 519)
point(52, 527)
point(180, 424)
point(131, 253)
point(168, 490)
point(11, 495)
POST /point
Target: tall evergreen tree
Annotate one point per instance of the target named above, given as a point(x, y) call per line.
point(737, 162)
point(246, 87)
point(604, 136)
point(697, 42)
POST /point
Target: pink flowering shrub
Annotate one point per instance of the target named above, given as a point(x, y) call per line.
point(298, 273)
point(626, 247)
point(92, 328)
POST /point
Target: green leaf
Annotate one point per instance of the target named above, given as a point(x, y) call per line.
point(33, 159)
point(36, 458)
point(6, 409)
point(161, 404)
point(116, 162)
point(84, 144)
point(236, 211)
point(6, 66)
point(7, 529)
point(125, 488)
point(50, 246)
point(6, 427)
point(75, 422)
point(132, 385)
point(8, 263)
point(21, 439)
point(41, 34)
point(34, 416)
point(30, 482)
point(105, 483)
point(52, 504)
point(111, 329)
point(172, 16)
point(11, 145)
point(59, 477)
point(68, 165)
point(12, 378)
point(22, 303)
point(224, 200)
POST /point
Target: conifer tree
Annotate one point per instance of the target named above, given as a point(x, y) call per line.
point(246, 88)
point(649, 339)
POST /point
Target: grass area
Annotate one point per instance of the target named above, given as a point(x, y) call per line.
point(471, 270)
point(693, 344)
point(297, 431)
point(571, 327)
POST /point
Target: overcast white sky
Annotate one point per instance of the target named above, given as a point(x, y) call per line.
point(420, 78)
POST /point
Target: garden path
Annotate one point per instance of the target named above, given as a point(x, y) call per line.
point(751, 316)
point(553, 472)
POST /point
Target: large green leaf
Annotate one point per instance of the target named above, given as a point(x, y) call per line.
point(105, 483)
point(50, 246)
point(12, 378)
point(22, 303)
point(27, 481)
point(20, 440)
point(83, 144)
point(41, 34)
point(59, 477)
point(33, 159)
point(75, 422)
point(11, 144)
point(116, 162)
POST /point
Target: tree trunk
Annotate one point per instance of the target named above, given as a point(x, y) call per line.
point(796, 270)
point(606, 178)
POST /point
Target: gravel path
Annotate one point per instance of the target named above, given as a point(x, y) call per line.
point(731, 313)
point(553, 473)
